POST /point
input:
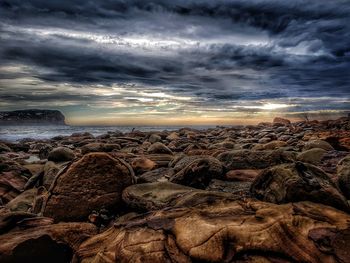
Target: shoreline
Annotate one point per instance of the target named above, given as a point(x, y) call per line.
point(86, 198)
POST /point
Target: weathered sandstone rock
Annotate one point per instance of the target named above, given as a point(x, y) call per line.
point(95, 181)
point(247, 231)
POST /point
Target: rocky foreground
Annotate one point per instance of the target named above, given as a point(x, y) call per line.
point(275, 192)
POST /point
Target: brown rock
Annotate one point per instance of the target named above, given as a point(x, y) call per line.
point(162, 160)
point(248, 231)
point(313, 155)
point(343, 172)
point(281, 121)
point(50, 171)
point(153, 196)
point(13, 178)
point(318, 144)
point(154, 138)
point(270, 145)
point(248, 159)
point(99, 147)
point(173, 136)
point(4, 148)
point(244, 175)
point(22, 202)
point(158, 175)
point(95, 181)
point(297, 182)
point(142, 164)
point(199, 173)
point(51, 243)
point(61, 154)
point(159, 147)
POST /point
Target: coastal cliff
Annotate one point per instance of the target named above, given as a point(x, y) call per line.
point(32, 117)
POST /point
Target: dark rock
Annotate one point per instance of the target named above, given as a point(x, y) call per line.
point(343, 172)
point(23, 202)
point(239, 189)
point(245, 175)
point(154, 138)
point(157, 175)
point(318, 144)
point(4, 148)
point(13, 178)
point(279, 120)
point(61, 154)
point(32, 117)
point(297, 182)
point(199, 172)
point(99, 147)
point(154, 196)
point(314, 155)
point(52, 243)
point(159, 147)
point(248, 159)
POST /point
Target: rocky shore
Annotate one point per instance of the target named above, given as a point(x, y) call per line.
point(274, 192)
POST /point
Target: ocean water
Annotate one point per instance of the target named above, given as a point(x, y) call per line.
point(16, 133)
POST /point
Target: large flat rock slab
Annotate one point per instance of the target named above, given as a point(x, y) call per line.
point(249, 231)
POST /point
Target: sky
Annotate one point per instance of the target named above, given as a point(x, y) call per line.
point(176, 62)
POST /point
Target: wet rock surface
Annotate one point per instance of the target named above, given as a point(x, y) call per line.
point(274, 192)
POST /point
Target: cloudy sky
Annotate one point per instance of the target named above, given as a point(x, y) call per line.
point(176, 61)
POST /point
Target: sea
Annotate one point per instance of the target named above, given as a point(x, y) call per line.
point(17, 133)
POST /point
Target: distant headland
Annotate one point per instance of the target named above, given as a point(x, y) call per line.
point(32, 117)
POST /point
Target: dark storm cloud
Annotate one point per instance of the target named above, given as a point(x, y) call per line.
point(215, 51)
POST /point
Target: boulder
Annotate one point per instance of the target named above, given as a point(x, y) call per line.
point(249, 159)
point(297, 182)
point(244, 231)
point(11, 219)
point(244, 175)
point(283, 121)
point(199, 173)
point(238, 189)
point(162, 160)
point(343, 173)
point(99, 147)
point(157, 175)
point(318, 144)
point(160, 148)
point(42, 149)
point(95, 181)
point(181, 161)
point(154, 138)
point(173, 136)
point(270, 145)
point(222, 145)
point(13, 178)
point(51, 243)
point(50, 171)
point(4, 148)
point(313, 155)
point(22, 202)
point(160, 195)
point(61, 154)
point(142, 164)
